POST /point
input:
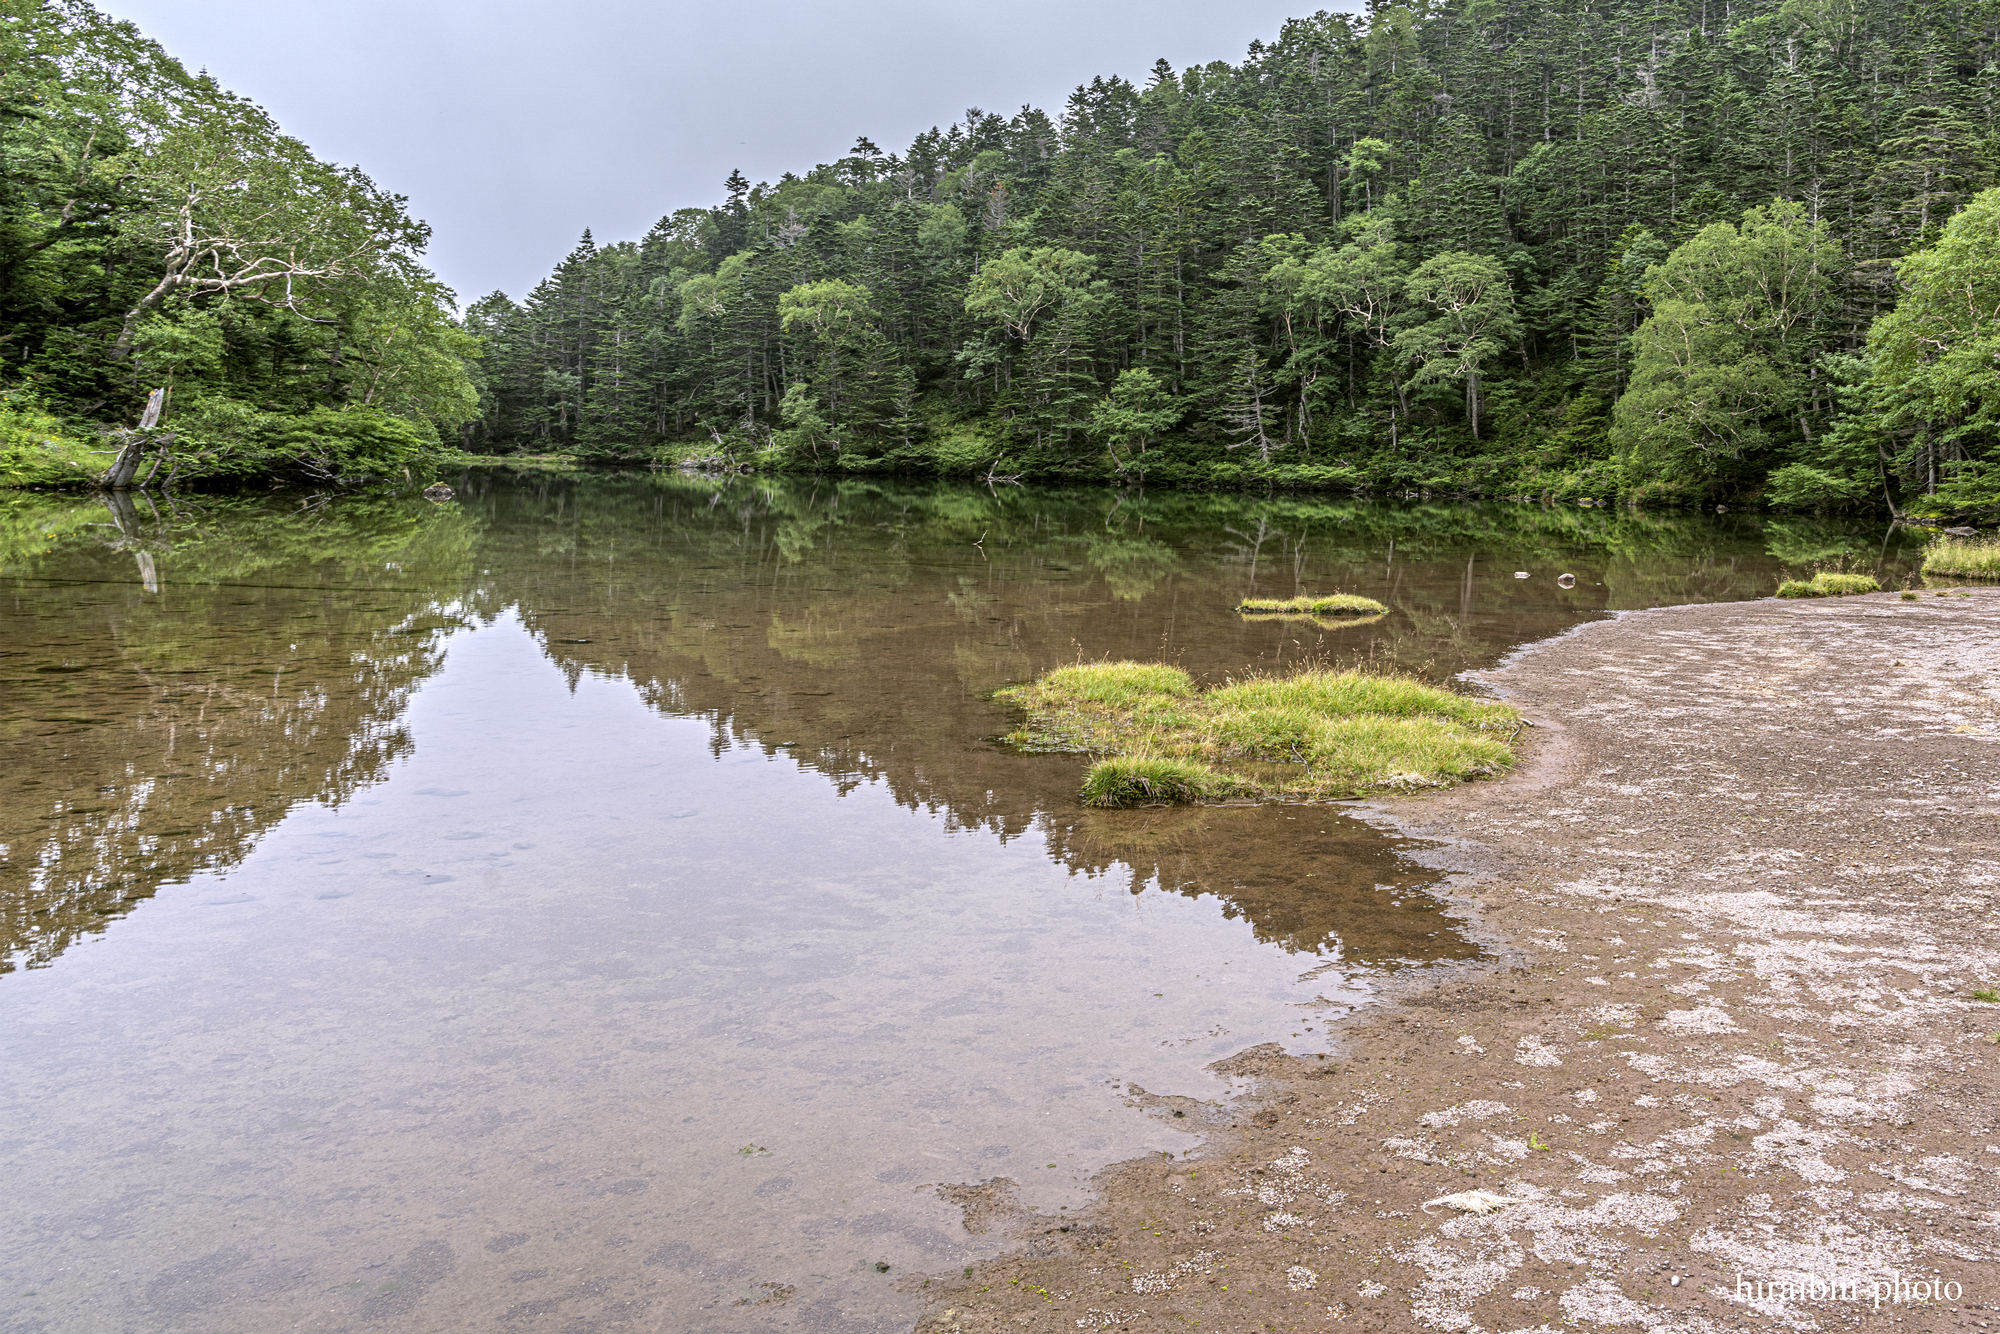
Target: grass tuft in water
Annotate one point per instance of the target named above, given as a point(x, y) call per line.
point(1826, 584)
point(1310, 734)
point(1964, 558)
point(1132, 781)
point(1330, 604)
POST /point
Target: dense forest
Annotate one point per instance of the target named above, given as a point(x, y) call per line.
point(158, 233)
point(1686, 251)
point(1596, 248)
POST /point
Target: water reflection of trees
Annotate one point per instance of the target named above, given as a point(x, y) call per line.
point(862, 627)
point(152, 734)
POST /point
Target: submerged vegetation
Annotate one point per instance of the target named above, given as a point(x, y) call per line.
point(1326, 604)
point(1313, 733)
point(1964, 558)
point(1827, 584)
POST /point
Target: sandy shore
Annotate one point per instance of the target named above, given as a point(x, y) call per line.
point(1742, 891)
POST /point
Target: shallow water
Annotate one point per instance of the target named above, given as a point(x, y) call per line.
point(602, 902)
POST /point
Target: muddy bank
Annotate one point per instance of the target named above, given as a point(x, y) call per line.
point(1743, 893)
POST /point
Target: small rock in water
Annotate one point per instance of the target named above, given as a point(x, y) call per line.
point(437, 491)
point(1520, 574)
point(1565, 581)
point(1963, 532)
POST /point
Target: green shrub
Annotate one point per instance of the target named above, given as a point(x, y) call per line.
point(39, 450)
point(1798, 486)
point(226, 438)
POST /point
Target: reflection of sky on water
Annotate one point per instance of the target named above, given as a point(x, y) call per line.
point(682, 930)
point(573, 976)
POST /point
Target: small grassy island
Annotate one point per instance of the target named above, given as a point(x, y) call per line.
point(1332, 604)
point(1829, 585)
point(1313, 734)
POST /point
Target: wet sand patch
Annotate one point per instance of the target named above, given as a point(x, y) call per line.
point(1732, 1069)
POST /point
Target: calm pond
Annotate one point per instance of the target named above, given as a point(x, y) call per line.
point(603, 902)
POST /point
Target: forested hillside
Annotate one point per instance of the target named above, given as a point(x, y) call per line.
point(158, 233)
point(1588, 248)
point(1689, 252)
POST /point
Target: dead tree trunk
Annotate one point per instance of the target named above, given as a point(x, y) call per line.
point(118, 477)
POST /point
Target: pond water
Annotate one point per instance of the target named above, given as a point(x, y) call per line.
point(603, 901)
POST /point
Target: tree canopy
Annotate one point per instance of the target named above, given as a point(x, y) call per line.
point(157, 231)
point(1492, 248)
point(1655, 251)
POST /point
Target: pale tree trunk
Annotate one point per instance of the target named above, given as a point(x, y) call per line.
point(122, 348)
point(118, 477)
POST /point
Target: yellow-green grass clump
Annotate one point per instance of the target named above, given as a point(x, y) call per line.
point(1133, 780)
point(1313, 734)
point(1964, 558)
point(1828, 585)
point(1329, 604)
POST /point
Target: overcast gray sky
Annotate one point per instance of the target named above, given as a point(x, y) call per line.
point(514, 124)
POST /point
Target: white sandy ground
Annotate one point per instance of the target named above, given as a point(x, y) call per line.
point(1808, 944)
point(1750, 883)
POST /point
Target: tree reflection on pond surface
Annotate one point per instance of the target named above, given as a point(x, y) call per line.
point(606, 897)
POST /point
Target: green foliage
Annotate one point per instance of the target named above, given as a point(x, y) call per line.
point(1719, 367)
point(807, 437)
point(1358, 258)
point(157, 231)
point(1800, 486)
point(37, 449)
point(1137, 411)
point(1016, 289)
point(1474, 321)
point(221, 439)
point(1361, 257)
point(1827, 584)
point(1936, 361)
